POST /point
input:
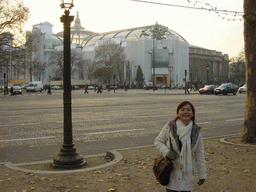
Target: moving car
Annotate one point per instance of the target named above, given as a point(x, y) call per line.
point(242, 89)
point(17, 90)
point(209, 89)
point(225, 89)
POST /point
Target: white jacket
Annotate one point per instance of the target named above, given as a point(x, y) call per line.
point(179, 180)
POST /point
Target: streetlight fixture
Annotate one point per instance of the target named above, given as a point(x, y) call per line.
point(66, 4)
point(67, 157)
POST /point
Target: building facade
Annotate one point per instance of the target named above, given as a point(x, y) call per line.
point(162, 54)
point(208, 66)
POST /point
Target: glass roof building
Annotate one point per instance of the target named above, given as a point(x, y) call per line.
point(162, 53)
point(132, 34)
point(171, 51)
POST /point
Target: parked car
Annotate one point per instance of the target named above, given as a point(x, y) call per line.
point(242, 89)
point(17, 90)
point(90, 87)
point(225, 89)
point(165, 87)
point(209, 89)
point(75, 87)
point(56, 87)
point(35, 86)
point(112, 87)
point(150, 85)
point(23, 85)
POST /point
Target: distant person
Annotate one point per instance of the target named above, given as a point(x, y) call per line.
point(49, 92)
point(86, 89)
point(99, 89)
point(186, 139)
point(11, 91)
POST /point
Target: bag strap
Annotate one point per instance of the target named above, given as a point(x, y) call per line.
point(171, 147)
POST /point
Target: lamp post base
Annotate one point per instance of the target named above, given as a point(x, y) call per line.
point(68, 158)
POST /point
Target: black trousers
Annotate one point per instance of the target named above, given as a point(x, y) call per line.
point(168, 190)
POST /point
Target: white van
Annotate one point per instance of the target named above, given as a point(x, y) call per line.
point(35, 86)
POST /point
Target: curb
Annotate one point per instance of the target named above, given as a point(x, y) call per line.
point(117, 157)
point(113, 154)
point(223, 140)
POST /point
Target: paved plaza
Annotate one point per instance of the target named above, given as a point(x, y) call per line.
point(32, 123)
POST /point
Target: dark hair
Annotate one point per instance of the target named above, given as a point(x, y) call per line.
point(182, 104)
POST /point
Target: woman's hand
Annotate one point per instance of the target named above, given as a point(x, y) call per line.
point(201, 182)
point(172, 155)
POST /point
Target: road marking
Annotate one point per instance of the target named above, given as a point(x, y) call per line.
point(85, 120)
point(203, 123)
point(235, 119)
point(19, 124)
point(150, 116)
point(113, 131)
point(34, 138)
point(209, 128)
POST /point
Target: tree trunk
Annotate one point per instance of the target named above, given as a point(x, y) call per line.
point(249, 135)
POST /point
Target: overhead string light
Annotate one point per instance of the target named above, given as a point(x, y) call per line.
point(224, 14)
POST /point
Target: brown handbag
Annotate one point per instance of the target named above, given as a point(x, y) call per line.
point(162, 168)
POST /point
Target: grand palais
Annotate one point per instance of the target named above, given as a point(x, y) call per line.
point(173, 55)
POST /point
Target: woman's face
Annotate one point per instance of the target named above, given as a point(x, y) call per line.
point(185, 114)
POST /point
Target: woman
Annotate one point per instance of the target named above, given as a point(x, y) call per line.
point(188, 148)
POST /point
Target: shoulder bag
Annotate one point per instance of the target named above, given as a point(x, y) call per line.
point(162, 168)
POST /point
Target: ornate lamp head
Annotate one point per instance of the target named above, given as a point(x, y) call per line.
point(66, 4)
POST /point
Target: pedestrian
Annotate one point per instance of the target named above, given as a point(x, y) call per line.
point(188, 148)
point(188, 90)
point(49, 90)
point(86, 89)
point(99, 89)
point(11, 91)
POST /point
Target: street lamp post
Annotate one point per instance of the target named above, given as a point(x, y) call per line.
point(207, 68)
point(67, 157)
point(164, 78)
point(170, 70)
point(153, 62)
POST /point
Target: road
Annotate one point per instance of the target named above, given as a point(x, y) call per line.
point(31, 126)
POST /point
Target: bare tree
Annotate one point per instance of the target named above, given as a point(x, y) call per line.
point(237, 69)
point(18, 56)
point(84, 68)
point(78, 65)
point(56, 60)
point(109, 60)
point(13, 15)
point(29, 50)
point(34, 66)
point(249, 135)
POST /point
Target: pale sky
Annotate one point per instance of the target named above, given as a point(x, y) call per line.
point(199, 27)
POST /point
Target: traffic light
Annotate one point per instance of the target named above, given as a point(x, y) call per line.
point(186, 72)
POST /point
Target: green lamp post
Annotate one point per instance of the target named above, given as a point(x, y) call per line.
point(67, 157)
